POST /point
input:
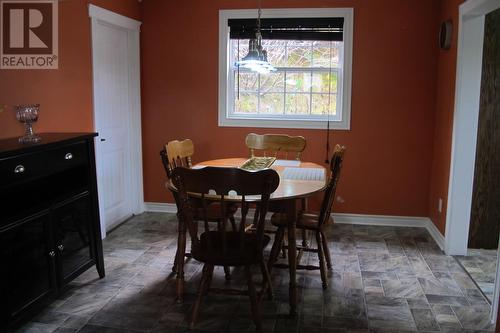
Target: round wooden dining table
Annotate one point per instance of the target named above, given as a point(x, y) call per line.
point(298, 180)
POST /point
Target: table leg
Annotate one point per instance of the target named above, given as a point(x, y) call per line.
point(291, 213)
point(179, 260)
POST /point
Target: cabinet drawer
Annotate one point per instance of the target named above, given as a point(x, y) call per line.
point(40, 164)
point(68, 156)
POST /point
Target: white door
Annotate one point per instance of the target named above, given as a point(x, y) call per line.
point(115, 61)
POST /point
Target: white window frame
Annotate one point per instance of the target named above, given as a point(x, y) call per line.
point(226, 101)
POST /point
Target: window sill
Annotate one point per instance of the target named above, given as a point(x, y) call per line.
point(279, 123)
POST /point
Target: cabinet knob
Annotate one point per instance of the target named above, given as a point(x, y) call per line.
point(60, 247)
point(52, 254)
point(68, 156)
point(19, 169)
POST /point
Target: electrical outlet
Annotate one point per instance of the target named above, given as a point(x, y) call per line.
point(440, 205)
point(340, 199)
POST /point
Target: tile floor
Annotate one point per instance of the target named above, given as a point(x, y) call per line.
point(385, 279)
point(482, 266)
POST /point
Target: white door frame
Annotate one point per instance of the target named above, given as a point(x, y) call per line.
point(465, 123)
point(100, 15)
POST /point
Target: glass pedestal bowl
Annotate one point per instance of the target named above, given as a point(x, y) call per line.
point(28, 114)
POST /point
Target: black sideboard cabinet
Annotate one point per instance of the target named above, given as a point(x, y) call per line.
point(49, 221)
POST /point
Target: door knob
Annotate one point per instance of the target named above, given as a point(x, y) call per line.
point(19, 169)
point(102, 140)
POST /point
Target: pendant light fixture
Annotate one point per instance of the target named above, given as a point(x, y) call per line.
point(256, 59)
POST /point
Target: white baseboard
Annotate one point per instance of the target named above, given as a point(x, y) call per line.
point(392, 221)
point(362, 219)
point(435, 233)
point(160, 207)
point(382, 220)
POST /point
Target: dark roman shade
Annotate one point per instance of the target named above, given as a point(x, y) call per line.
point(310, 28)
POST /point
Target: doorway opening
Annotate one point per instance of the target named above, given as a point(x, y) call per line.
point(472, 17)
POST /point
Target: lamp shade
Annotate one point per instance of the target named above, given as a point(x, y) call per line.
point(256, 59)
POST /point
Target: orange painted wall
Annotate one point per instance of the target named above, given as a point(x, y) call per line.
point(394, 74)
point(388, 161)
point(444, 109)
point(65, 94)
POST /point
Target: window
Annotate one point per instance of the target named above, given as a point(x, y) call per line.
point(313, 78)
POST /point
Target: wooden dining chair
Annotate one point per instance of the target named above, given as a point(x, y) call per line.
point(221, 247)
point(276, 145)
point(312, 222)
point(179, 154)
point(281, 146)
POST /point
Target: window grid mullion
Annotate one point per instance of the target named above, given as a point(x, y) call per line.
point(284, 78)
point(258, 93)
point(311, 82)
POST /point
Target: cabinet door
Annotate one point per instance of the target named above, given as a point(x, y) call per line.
point(28, 264)
point(72, 236)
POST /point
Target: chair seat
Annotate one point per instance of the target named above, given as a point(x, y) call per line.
point(305, 221)
point(210, 249)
